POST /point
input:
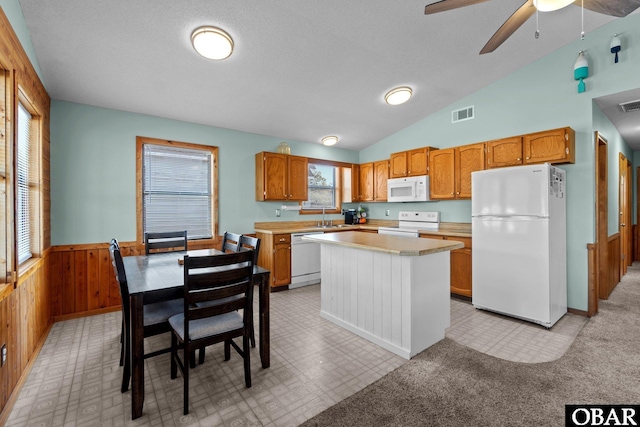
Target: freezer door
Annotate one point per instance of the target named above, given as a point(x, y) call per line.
point(510, 267)
point(521, 190)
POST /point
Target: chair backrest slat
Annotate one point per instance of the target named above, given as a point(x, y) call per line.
point(251, 243)
point(231, 242)
point(174, 240)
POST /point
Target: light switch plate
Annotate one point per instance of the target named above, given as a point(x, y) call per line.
point(277, 212)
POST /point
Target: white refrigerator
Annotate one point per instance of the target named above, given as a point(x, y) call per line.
point(519, 257)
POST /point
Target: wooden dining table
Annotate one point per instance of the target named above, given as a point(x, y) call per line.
point(160, 277)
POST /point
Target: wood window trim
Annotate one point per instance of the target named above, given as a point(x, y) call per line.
point(338, 208)
point(140, 141)
point(35, 184)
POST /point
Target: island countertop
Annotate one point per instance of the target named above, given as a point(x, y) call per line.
point(398, 245)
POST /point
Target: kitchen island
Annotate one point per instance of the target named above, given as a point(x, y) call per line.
point(391, 290)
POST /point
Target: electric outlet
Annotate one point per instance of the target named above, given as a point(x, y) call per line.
point(387, 212)
point(4, 354)
point(277, 212)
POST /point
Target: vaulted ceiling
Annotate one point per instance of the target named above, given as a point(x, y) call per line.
point(300, 69)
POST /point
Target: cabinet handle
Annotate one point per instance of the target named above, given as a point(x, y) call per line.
point(458, 192)
point(567, 150)
point(518, 159)
point(527, 158)
point(282, 239)
point(452, 194)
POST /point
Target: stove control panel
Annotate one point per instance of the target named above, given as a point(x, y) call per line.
point(419, 216)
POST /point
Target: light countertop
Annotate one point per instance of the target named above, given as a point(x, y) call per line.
point(399, 245)
point(446, 229)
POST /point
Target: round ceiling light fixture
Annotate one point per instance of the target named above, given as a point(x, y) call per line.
point(551, 5)
point(212, 42)
point(398, 96)
point(330, 140)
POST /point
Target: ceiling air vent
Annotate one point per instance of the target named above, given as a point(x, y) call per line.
point(630, 106)
point(462, 114)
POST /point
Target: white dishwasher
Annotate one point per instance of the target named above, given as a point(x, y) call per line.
point(305, 260)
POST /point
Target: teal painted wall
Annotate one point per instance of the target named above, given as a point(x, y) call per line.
point(93, 171)
point(540, 96)
point(12, 10)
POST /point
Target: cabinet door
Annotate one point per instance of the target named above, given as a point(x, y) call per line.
point(469, 158)
point(275, 176)
point(461, 272)
point(417, 162)
point(442, 181)
point(504, 152)
point(281, 264)
point(553, 146)
point(398, 165)
point(366, 182)
point(297, 178)
point(381, 172)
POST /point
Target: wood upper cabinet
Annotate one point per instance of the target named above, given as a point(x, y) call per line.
point(410, 163)
point(365, 183)
point(469, 158)
point(450, 170)
point(553, 146)
point(504, 152)
point(380, 177)
point(281, 177)
point(442, 179)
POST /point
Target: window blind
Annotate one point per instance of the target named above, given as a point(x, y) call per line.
point(23, 217)
point(177, 190)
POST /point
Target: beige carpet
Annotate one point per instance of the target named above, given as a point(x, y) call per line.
point(452, 385)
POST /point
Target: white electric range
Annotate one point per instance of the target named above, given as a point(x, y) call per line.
point(409, 222)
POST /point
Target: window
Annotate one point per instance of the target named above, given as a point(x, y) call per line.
point(323, 188)
point(28, 182)
point(178, 187)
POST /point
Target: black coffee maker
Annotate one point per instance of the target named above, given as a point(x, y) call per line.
point(350, 216)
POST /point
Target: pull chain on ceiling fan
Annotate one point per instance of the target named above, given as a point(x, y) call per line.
point(616, 8)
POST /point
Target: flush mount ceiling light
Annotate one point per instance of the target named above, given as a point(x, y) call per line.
point(551, 5)
point(398, 96)
point(329, 140)
point(212, 42)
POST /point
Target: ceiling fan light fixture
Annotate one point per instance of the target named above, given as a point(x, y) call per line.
point(551, 5)
point(212, 43)
point(398, 96)
point(329, 140)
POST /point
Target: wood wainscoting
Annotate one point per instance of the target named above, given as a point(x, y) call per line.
point(82, 278)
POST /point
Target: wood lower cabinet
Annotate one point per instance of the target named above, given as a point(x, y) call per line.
point(504, 152)
point(450, 170)
point(281, 177)
point(275, 256)
point(460, 261)
point(552, 146)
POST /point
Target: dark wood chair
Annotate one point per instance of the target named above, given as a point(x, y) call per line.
point(215, 288)
point(167, 241)
point(156, 316)
point(252, 243)
point(230, 242)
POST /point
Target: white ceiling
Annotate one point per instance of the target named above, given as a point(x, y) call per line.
point(301, 69)
point(628, 124)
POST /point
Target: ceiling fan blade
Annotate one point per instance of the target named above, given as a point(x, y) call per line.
point(514, 22)
point(443, 5)
point(617, 8)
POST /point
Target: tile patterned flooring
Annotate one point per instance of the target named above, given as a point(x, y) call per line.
point(75, 380)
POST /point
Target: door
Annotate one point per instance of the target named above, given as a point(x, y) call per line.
point(624, 210)
point(298, 170)
point(441, 173)
point(504, 152)
point(511, 266)
point(366, 182)
point(275, 176)
point(521, 190)
point(601, 288)
point(381, 171)
point(469, 158)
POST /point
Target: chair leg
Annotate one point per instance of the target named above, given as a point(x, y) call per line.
point(122, 344)
point(174, 354)
point(247, 360)
point(187, 356)
point(253, 334)
point(192, 359)
point(201, 355)
point(227, 350)
point(126, 350)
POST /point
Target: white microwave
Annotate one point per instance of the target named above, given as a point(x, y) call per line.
point(410, 189)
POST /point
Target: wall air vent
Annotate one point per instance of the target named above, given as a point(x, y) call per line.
point(630, 106)
point(466, 113)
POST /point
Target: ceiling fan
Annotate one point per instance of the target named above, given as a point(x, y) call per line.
point(617, 8)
